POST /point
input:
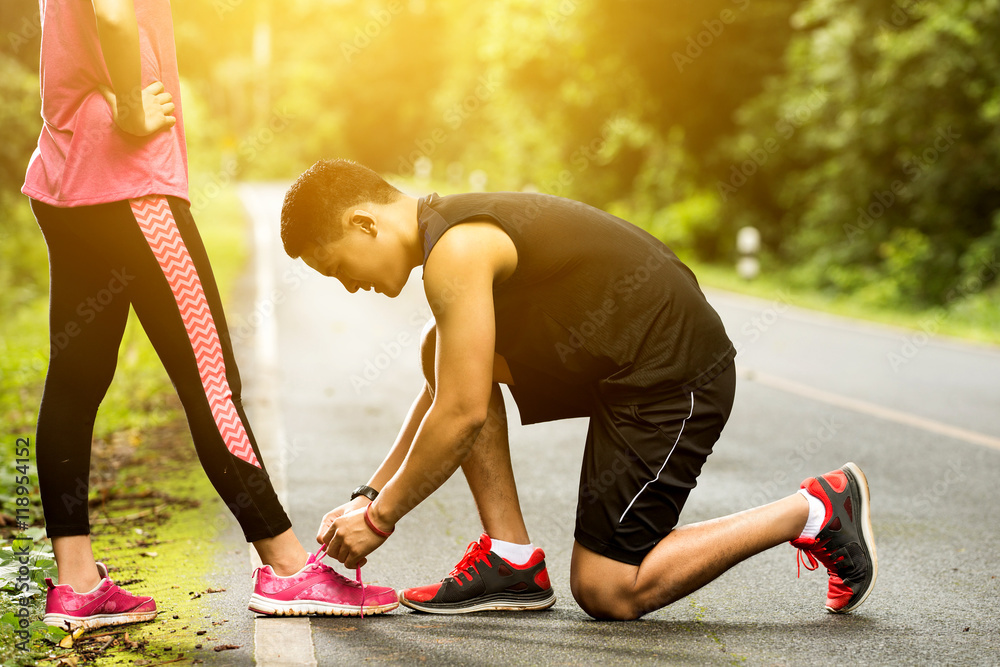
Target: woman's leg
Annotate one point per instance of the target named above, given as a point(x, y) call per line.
point(179, 306)
point(88, 310)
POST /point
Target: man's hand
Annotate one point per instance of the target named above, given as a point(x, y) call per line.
point(148, 111)
point(360, 502)
point(350, 539)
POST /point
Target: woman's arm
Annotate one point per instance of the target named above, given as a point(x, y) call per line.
point(136, 110)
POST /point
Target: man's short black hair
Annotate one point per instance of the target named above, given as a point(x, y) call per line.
point(314, 206)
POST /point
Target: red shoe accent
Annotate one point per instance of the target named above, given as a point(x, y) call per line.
point(478, 552)
point(836, 479)
point(542, 579)
point(423, 593)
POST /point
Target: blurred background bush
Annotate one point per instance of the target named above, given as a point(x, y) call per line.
point(859, 136)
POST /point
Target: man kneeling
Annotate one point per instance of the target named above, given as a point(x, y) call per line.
point(581, 314)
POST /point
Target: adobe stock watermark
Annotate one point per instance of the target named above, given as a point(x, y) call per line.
point(761, 323)
point(29, 28)
point(704, 39)
point(902, 15)
point(247, 151)
point(392, 349)
point(785, 127)
point(593, 490)
point(88, 309)
point(454, 117)
point(21, 546)
point(370, 31)
point(624, 288)
point(785, 480)
point(223, 7)
point(881, 201)
point(929, 497)
point(562, 12)
point(582, 157)
point(241, 328)
point(911, 345)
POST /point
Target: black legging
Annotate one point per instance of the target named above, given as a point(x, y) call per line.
point(101, 262)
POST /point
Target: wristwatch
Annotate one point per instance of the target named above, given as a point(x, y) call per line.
point(366, 491)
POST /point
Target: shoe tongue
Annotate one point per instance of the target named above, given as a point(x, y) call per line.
point(485, 542)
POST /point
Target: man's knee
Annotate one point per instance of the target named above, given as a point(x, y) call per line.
point(428, 343)
point(605, 600)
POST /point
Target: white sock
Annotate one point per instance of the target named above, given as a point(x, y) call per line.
point(516, 554)
point(817, 512)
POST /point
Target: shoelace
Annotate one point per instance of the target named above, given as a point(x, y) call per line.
point(811, 563)
point(317, 559)
point(474, 553)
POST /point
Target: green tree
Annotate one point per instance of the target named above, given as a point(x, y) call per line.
point(884, 181)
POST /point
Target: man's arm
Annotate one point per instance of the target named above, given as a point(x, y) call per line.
point(135, 110)
point(389, 465)
point(458, 281)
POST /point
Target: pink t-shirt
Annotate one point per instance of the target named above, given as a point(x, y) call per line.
point(82, 157)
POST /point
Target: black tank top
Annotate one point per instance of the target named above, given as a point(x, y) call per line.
point(596, 308)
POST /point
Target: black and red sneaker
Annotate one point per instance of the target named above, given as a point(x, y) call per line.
point(845, 544)
point(483, 581)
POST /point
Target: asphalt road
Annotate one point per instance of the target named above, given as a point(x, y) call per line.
point(338, 372)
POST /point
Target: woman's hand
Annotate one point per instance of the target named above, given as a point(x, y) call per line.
point(146, 112)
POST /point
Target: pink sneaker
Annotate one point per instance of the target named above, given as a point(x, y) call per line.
point(317, 589)
point(107, 604)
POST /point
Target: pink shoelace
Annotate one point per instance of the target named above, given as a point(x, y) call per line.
point(317, 558)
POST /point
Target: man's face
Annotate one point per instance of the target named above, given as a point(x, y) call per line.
point(365, 257)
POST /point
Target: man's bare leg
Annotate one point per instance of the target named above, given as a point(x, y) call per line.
point(491, 477)
point(684, 561)
point(487, 468)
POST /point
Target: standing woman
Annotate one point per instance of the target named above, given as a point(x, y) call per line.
point(108, 187)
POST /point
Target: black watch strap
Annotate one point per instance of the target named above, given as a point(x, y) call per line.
point(366, 491)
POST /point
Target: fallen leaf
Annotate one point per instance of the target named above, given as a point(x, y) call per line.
point(66, 642)
point(225, 647)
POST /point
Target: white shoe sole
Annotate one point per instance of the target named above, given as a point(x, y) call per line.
point(73, 623)
point(262, 605)
point(485, 605)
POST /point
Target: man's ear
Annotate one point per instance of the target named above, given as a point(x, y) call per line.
point(365, 221)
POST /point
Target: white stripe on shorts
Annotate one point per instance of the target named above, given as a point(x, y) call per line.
point(660, 471)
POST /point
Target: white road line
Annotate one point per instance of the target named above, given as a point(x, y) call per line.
point(853, 325)
point(872, 409)
point(277, 641)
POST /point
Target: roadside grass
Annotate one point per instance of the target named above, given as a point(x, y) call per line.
point(975, 319)
point(139, 413)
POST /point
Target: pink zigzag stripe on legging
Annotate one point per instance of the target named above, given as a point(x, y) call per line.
point(156, 221)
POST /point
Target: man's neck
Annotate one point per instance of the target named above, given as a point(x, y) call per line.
point(405, 214)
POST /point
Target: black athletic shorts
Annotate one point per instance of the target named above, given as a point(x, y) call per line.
point(641, 462)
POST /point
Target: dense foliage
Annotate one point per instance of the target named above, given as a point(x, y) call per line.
point(859, 136)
